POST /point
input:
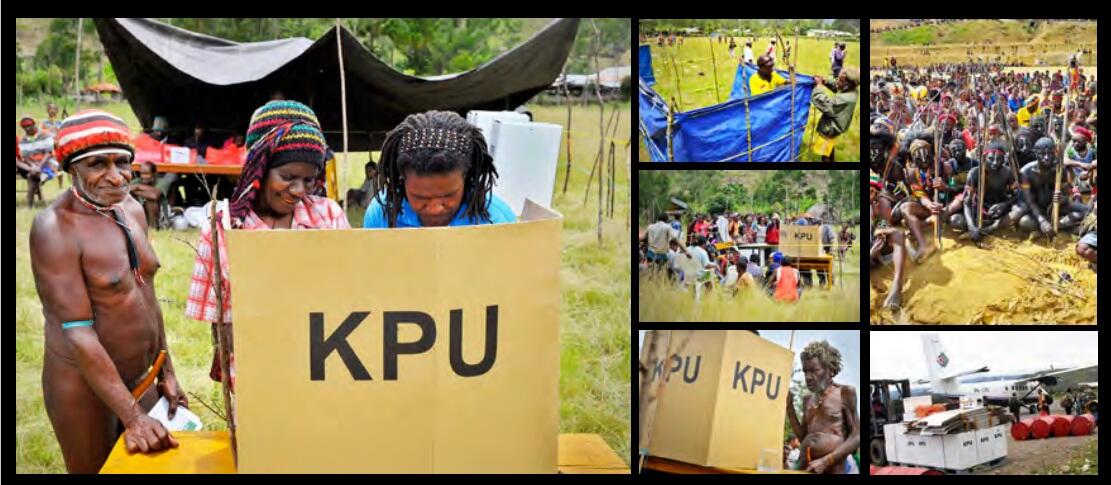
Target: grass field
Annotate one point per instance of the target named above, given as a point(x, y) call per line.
point(696, 80)
point(594, 323)
point(1007, 42)
point(662, 302)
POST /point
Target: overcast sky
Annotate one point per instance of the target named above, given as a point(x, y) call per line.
point(898, 355)
point(846, 341)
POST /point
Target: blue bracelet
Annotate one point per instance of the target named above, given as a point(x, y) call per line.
point(77, 323)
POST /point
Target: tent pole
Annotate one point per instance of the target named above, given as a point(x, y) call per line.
point(342, 170)
point(77, 66)
point(601, 127)
point(748, 129)
point(670, 110)
point(713, 59)
point(567, 97)
point(795, 56)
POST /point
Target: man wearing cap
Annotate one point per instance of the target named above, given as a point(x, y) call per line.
point(837, 110)
point(158, 129)
point(1079, 156)
point(94, 271)
point(1024, 114)
point(766, 79)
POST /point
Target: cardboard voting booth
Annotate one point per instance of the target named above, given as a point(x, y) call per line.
point(526, 157)
point(398, 350)
point(724, 401)
point(800, 241)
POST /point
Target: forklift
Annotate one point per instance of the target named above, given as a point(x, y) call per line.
point(884, 408)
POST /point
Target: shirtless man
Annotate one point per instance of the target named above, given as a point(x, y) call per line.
point(886, 243)
point(94, 271)
point(998, 200)
point(1032, 213)
point(832, 423)
point(919, 207)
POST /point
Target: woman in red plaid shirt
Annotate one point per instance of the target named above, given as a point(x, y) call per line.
point(284, 164)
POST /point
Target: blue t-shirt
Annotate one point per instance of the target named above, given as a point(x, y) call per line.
point(375, 216)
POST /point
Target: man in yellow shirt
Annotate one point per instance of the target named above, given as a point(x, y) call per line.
point(766, 79)
point(1025, 113)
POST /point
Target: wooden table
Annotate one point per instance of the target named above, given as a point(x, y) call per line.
point(664, 465)
point(820, 263)
point(210, 452)
point(206, 168)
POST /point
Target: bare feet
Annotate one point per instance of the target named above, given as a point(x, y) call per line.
point(925, 252)
point(893, 301)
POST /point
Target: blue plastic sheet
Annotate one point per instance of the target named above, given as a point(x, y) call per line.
point(720, 133)
point(646, 65)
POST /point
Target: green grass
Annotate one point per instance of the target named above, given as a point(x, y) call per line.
point(1085, 462)
point(915, 36)
point(594, 322)
point(696, 80)
point(661, 301)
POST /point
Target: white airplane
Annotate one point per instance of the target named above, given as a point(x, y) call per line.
point(948, 383)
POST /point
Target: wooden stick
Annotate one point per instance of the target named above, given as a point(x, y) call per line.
point(675, 69)
point(77, 66)
point(937, 173)
point(1061, 157)
point(343, 110)
point(713, 59)
point(221, 344)
point(567, 97)
point(748, 128)
point(980, 194)
point(601, 118)
point(670, 118)
point(795, 52)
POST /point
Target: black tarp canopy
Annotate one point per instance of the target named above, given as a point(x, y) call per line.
point(192, 78)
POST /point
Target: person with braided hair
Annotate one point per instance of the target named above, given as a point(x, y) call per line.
point(284, 162)
point(435, 170)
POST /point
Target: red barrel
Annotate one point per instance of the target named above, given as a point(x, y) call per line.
point(1061, 425)
point(1082, 425)
point(1020, 430)
point(903, 470)
point(1042, 427)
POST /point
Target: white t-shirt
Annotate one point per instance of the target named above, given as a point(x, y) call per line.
point(793, 459)
point(731, 276)
point(659, 234)
point(723, 229)
point(748, 55)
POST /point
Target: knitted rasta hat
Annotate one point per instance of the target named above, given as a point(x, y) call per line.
point(302, 141)
point(91, 131)
point(280, 132)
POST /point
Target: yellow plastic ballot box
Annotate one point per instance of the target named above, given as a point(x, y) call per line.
point(800, 241)
point(722, 398)
point(398, 350)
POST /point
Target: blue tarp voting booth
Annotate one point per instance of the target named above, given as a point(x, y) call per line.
point(720, 133)
point(646, 65)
